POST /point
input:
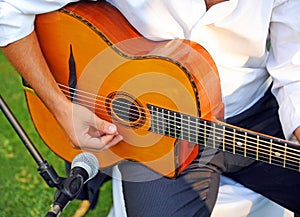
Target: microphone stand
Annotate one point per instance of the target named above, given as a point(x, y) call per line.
point(46, 171)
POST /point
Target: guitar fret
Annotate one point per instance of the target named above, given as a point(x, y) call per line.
point(152, 122)
point(271, 146)
point(189, 129)
point(169, 129)
point(223, 138)
point(214, 135)
point(233, 140)
point(175, 126)
point(189, 124)
point(284, 157)
point(158, 114)
point(219, 136)
point(279, 154)
point(162, 121)
point(245, 145)
point(158, 121)
point(172, 125)
point(257, 147)
point(276, 153)
point(181, 124)
point(239, 142)
point(197, 131)
point(205, 136)
point(233, 143)
point(157, 124)
point(243, 148)
point(229, 140)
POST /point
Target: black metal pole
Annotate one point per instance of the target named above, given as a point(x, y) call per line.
point(20, 131)
point(46, 171)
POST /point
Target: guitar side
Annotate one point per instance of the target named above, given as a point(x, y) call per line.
point(114, 64)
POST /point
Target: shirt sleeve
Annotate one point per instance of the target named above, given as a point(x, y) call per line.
point(17, 17)
point(284, 63)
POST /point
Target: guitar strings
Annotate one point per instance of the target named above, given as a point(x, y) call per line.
point(276, 151)
point(267, 157)
point(90, 102)
point(121, 107)
point(255, 148)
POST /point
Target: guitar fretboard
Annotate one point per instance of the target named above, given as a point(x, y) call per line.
point(223, 137)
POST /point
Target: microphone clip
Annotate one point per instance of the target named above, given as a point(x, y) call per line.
point(68, 190)
point(71, 186)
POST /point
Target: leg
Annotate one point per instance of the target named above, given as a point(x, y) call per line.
point(278, 184)
point(146, 193)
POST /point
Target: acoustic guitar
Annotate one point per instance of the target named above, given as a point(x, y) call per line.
point(164, 96)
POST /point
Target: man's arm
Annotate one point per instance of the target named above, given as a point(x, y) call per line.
point(89, 132)
point(297, 134)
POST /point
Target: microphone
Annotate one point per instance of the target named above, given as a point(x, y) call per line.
point(83, 168)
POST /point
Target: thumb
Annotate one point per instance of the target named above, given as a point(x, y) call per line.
point(105, 126)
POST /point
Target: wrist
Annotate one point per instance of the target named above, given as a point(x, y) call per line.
point(61, 107)
point(297, 133)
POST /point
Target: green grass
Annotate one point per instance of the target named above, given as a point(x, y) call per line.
point(23, 192)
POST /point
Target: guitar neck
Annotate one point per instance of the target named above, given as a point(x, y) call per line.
point(225, 138)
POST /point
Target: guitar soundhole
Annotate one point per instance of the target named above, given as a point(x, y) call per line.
point(125, 110)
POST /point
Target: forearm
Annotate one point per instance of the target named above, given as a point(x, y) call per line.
point(26, 56)
point(76, 121)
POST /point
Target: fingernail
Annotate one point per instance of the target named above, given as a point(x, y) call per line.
point(112, 128)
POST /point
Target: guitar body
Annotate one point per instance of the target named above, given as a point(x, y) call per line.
point(114, 66)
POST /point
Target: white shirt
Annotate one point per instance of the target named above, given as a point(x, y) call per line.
point(234, 32)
